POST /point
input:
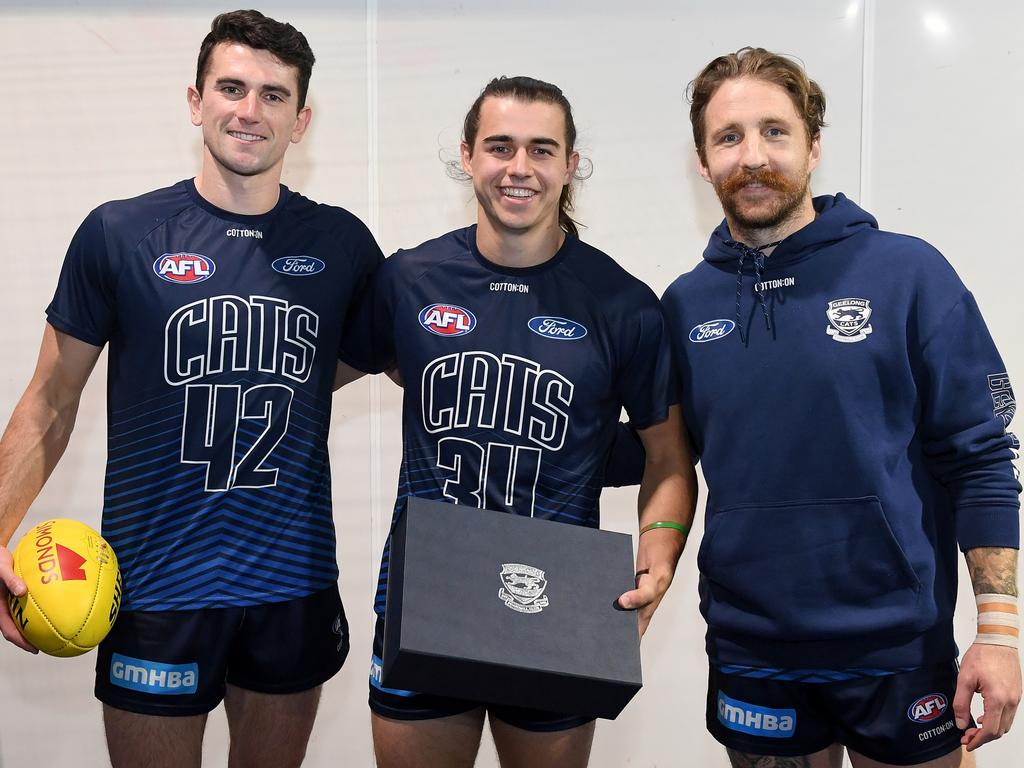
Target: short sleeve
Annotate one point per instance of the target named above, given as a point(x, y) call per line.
point(646, 378)
point(368, 341)
point(83, 305)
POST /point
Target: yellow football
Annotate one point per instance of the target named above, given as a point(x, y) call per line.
point(74, 587)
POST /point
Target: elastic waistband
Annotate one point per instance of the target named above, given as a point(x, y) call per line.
point(880, 651)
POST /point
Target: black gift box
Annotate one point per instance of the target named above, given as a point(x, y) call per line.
point(505, 609)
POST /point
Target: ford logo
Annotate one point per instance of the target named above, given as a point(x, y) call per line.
point(711, 330)
point(298, 265)
point(557, 328)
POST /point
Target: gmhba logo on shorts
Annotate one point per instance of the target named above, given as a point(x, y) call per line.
point(754, 719)
point(153, 676)
point(184, 267)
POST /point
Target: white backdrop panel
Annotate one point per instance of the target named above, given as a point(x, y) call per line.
point(97, 111)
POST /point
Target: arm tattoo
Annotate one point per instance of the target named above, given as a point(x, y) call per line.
point(993, 570)
point(741, 760)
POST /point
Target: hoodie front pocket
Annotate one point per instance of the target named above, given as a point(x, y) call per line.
point(806, 570)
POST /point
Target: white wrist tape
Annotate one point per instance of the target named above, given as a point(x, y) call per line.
point(998, 620)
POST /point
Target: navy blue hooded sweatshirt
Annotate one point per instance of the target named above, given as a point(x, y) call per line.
point(849, 410)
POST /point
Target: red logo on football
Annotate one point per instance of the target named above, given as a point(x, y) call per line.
point(184, 267)
point(55, 561)
point(70, 564)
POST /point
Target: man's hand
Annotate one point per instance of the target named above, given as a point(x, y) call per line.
point(654, 571)
point(668, 493)
point(989, 669)
point(994, 672)
point(11, 584)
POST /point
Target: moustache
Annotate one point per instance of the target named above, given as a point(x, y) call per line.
point(763, 176)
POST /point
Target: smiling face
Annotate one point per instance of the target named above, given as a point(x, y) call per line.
point(519, 164)
point(758, 157)
point(248, 111)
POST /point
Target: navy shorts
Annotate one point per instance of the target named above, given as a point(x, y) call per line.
point(179, 662)
point(410, 705)
point(902, 719)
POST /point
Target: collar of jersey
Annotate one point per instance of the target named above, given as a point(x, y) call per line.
point(240, 218)
point(567, 245)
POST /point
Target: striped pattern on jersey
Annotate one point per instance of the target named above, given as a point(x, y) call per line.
point(176, 539)
point(223, 332)
point(809, 675)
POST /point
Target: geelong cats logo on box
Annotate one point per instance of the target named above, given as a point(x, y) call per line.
point(848, 320)
point(523, 587)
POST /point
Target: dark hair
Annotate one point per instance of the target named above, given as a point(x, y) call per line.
point(776, 68)
point(262, 33)
point(529, 89)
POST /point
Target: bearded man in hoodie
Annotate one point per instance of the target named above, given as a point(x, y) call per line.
point(849, 409)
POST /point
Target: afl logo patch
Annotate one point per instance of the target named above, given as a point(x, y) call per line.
point(711, 330)
point(447, 320)
point(184, 267)
point(927, 708)
point(557, 328)
point(298, 265)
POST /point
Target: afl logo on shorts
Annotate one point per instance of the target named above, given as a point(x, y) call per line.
point(927, 708)
point(447, 320)
point(184, 267)
point(711, 331)
point(298, 265)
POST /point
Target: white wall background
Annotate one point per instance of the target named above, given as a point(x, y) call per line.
point(925, 127)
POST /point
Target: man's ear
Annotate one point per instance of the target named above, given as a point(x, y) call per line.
point(195, 105)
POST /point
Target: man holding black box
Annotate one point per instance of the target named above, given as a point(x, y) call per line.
point(518, 345)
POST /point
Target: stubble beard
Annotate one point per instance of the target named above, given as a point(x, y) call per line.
point(237, 168)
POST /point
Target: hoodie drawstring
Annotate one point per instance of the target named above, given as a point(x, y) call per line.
point(759, 286)
point(739, 292)
point(758, 257)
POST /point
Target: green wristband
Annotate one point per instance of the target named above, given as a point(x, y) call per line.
point(683, 529)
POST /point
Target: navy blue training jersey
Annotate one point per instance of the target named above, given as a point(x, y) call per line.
point(223, 334)
point(514, 378)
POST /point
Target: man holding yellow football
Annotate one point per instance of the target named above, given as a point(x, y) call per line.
point(221, 300)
